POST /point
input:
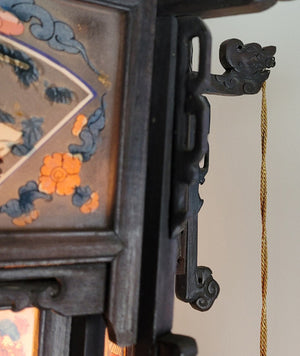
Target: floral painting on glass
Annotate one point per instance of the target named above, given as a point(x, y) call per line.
point(59, 113)
point(112, 349)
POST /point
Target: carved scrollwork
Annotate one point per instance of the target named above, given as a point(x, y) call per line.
point(207, 289)
point(19, 295)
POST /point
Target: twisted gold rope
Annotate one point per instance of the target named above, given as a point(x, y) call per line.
point(263, 208)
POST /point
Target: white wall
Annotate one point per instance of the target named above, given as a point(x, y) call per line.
point(229, 223)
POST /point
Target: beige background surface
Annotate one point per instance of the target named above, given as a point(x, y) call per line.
point(229, 234)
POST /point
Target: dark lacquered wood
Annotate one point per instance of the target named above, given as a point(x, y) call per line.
point(159, 251)
point(87, 335)
point(47, 248)
point(125, 269)
point(177, 345)
point(54, 334)
point(212, 8)
point(72, 290)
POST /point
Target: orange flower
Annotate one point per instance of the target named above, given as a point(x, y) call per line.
point(60, 174)
point(24, 220)
point(91, 205)
point(81, 120)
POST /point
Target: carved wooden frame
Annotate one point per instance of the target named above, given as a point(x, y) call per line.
point(119, 247)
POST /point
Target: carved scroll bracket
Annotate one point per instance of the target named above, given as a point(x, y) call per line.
point(68, 290)
point(19, 295)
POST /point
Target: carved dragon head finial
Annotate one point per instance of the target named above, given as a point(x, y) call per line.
point(246, 63)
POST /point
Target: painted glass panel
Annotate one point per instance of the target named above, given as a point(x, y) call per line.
point(61, 63)
point(19, 332)
point(111, 349)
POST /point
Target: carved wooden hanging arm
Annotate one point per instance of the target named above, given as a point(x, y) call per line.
point(246, 68)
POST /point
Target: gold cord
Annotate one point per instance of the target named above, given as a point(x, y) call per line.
point(263, 208)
